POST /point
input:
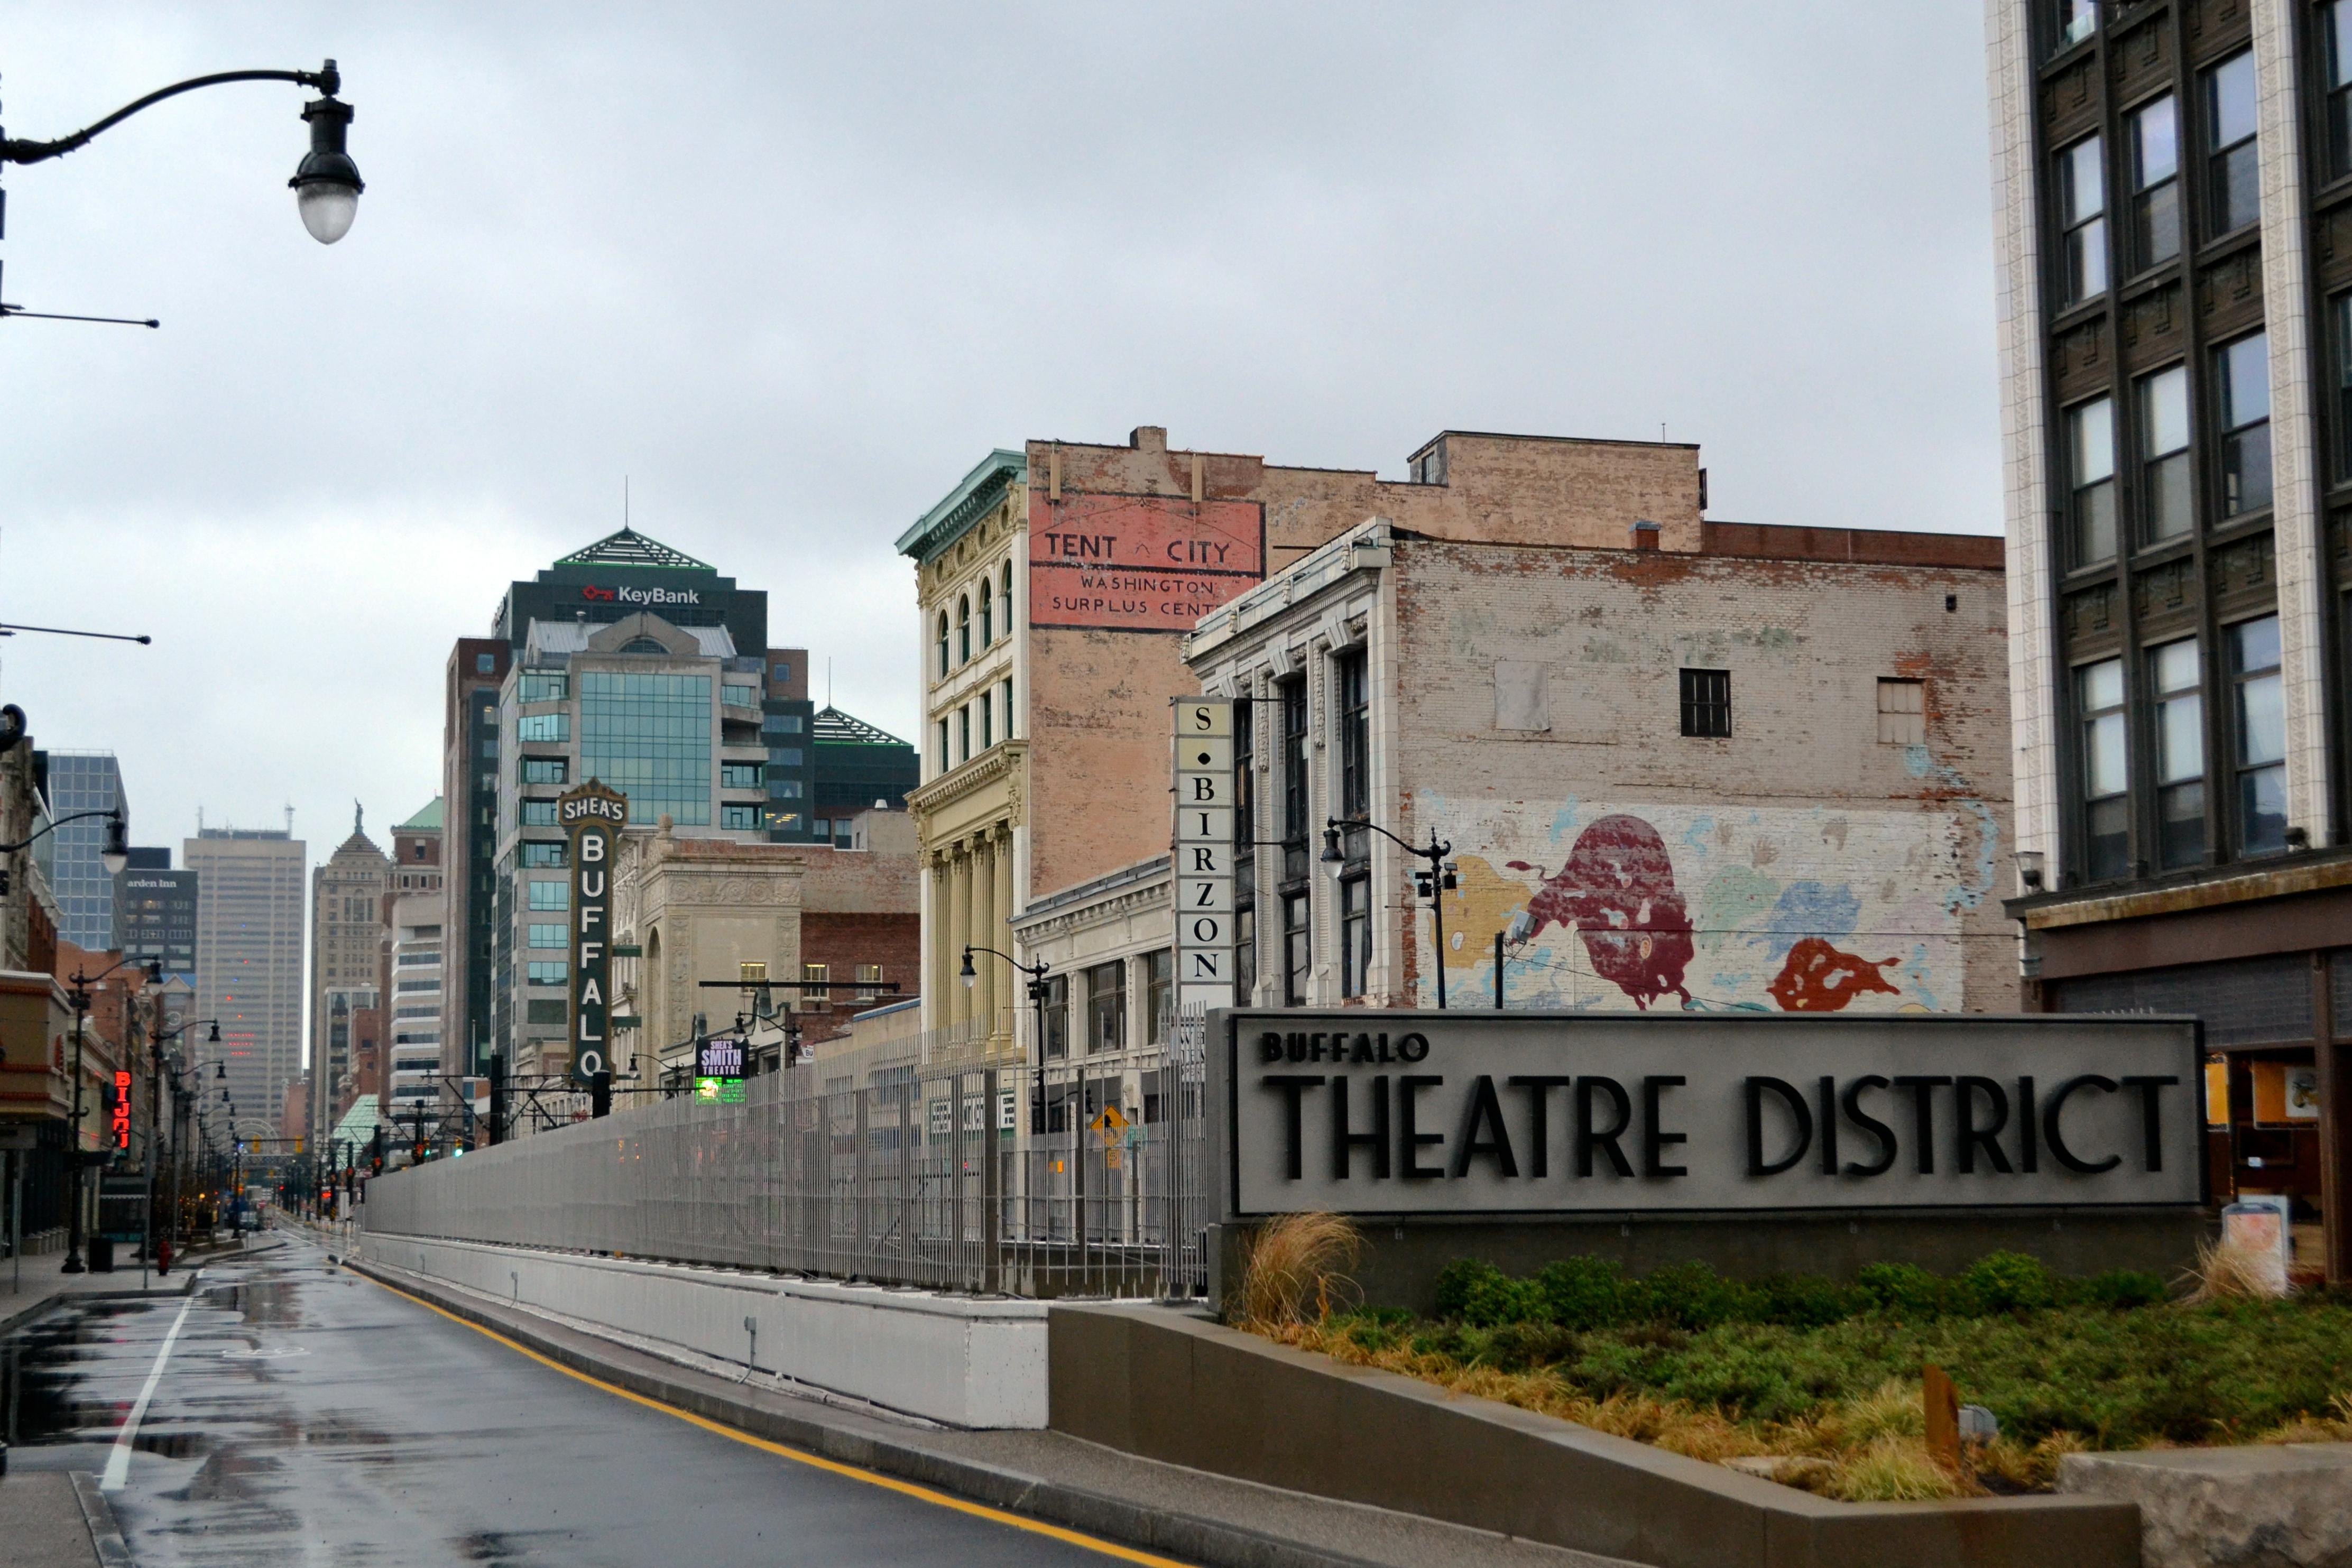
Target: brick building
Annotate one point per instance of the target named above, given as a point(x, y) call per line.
point(689, 909)
point(1053, 584)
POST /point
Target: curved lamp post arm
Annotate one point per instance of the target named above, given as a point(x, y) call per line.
point(1332, 825)
point(329, 81)
point(52, 825)
point(968, 975)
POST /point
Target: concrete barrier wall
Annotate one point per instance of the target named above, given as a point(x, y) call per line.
point(1168, 1385)
point(977, 1364)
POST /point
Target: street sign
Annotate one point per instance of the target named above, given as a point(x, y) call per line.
point(595, 815)
point(1207, 793)
point(1109, 1125)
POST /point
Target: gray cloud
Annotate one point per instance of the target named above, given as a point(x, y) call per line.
point(793, 269)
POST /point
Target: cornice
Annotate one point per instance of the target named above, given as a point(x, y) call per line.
point(1006, 758)
point(962, 505)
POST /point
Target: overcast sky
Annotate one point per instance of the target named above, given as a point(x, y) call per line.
point(792, 271)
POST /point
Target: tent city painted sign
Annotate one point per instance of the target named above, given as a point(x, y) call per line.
point(1141, 563)
point(1419, 1112)
point(594, 815)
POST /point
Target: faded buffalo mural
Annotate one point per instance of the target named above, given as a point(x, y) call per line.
point(1769, 909)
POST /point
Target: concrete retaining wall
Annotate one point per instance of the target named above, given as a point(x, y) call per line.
point(978, 1364)
point(1176, 1387)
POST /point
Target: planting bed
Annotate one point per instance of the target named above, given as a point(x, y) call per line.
point(1818, 1383)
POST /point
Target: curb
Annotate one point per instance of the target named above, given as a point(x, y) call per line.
point(44, 1306)
point(105, 1535)
point(1201, 1539)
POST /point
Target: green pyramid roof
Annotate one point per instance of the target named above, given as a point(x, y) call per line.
point(630, 548)
point(427, 820)
point(358, 1126)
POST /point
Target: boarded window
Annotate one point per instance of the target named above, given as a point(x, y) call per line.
point(1522, 697)
point(1902, 712)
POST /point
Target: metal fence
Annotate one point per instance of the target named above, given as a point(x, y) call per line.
point(946, 1169)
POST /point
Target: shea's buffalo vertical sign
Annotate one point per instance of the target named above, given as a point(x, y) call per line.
point(594, 814)
point(1140, 563)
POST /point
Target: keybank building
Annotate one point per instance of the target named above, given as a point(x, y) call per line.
point(637, 665)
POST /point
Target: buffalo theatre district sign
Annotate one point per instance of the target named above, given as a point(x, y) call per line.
point(1373, 1112)
point(1206, 795)
point(594, 814)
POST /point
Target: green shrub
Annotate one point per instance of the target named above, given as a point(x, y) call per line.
point(2119, 1290)
point(1694, 1296)
point(1586, 1292)
point(1806, 1301)
point(1904, 1290)
point(2007, 1282)
point(1472, 1290)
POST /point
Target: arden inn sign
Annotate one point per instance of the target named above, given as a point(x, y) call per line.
point(1525, 1114)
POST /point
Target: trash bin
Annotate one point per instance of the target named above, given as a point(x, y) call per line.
point(101, 1255)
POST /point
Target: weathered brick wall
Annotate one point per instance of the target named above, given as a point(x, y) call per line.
point(1800, 862)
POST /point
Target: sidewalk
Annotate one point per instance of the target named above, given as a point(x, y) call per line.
point(51, 1519)
point(46, 1283)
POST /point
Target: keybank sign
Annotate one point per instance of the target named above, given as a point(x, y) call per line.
point(624, 595)
point(1385, 1112)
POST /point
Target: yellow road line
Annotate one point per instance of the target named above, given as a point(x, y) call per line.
point(801, 1456)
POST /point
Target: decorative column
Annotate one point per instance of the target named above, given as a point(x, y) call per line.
point(959, 1007)
point(939, 978)
point(1016, 993)
point(983, 909)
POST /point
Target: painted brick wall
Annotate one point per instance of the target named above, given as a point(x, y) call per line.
point(1801, 826)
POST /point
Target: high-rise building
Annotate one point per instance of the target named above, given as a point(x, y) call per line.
point(155, 911)
point(2173, 182)
point(85, 781)
point(250, 929)
point(470, 844)
point(415, 967)
point(346, 951)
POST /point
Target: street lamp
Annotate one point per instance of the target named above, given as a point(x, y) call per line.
point(80, 997)
point(1038, 990)
point(1428, 884)
point(326, 184)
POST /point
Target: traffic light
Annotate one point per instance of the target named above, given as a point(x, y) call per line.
point(600, 1093)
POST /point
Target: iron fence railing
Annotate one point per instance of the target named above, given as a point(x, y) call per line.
point(948, 1170)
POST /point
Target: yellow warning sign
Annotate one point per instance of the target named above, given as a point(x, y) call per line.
point(1109, 1125)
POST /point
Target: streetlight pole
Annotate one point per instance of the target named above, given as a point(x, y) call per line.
point(1431, 884)
point(1038, 992)
point(113, 860)
point(325, 183)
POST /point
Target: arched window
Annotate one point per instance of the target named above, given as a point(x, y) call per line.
point(1007, 595)
point(987, 614)
point(963, 629)
point(943, 642)
point(643, 645)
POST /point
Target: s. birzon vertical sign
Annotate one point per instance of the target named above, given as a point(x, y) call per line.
point(594, 814)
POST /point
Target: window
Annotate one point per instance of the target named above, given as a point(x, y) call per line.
point(1159, 994)
point(815, 999)
point(740, 818)
point(542, 854)
point(1106, 1007)
point(546, 893)
point(2155, 183)
point(1245, 951)
point(2167, 493)
point(2338, 82)
point(2176, 680)
point(2083, 222)
point(545, 769)
point(780, 725)
point(648, 735)
point(538, 1012)
point(943, 642)
point(2242, 373)
point(1707, 702)
point(963, 629)
point(1355, 726)
point(784, 821)
point(1355, 935)
point(554, 934)
point(543, 687)
point(2091, 481)
point(1057, 1015)
point(543, 727)
point(783, 673)
point(1005, 694)
point(821, 828)
point(737, 694)
point(1294, 777)
point(869, 983)
point(2075, 19)
point(539, 814)
point(1902, 712)
point(2106, 814)
point(1004, 591)
point(987, 613)
point(1294, 957)
point(2231, 154)
point(785, 756)
point(785, 789)
point(485, 663)
point(2261, 722)
point(963, 733)
point(741, 775)
point(987, 719)
point(547, 971)
point(946, 760)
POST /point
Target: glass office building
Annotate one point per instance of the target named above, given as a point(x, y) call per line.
point(84, 780)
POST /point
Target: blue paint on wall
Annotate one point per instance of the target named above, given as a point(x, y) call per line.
point(1809, 908)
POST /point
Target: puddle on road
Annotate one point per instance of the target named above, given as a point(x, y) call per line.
point(39, 1371)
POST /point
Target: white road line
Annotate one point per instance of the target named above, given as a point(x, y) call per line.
point(118, 1464)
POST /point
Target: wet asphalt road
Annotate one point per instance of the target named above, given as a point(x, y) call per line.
point(306, 1414)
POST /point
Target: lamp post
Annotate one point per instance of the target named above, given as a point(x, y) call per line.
point(1430, 884)
point(155, 1125)
point(325, 183)
point(113, 860)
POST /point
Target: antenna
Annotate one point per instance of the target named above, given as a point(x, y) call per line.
point(290, 819)
point(828, 681)
point(624, 501)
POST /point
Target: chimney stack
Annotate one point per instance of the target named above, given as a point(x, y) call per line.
point(1645, 535)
